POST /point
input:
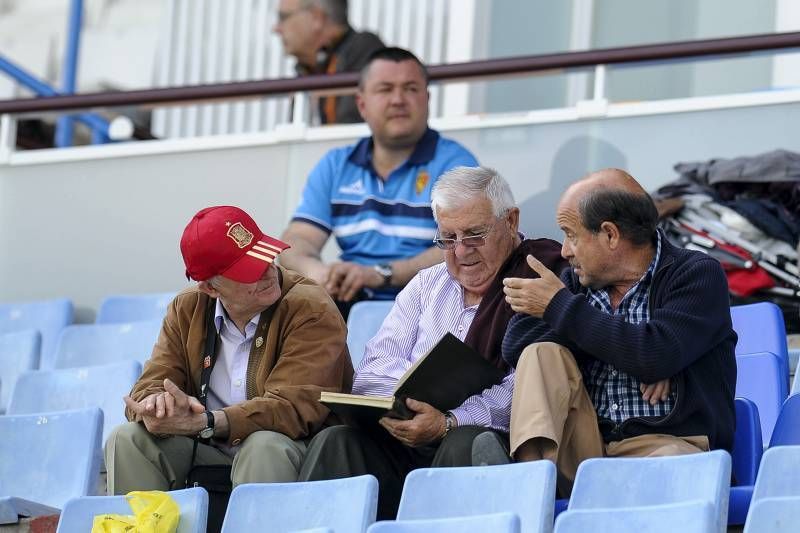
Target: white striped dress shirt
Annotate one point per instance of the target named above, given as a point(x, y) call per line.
point(428, 307)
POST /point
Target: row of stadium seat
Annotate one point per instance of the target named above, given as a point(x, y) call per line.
point(609, 495)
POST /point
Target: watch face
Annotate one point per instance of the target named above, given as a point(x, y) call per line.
point(206, 433)
point(384, 270)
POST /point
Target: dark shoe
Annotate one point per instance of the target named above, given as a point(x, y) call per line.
point(489, 449)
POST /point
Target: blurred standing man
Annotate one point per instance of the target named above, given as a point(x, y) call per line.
point(318, 35)
point(375, 195)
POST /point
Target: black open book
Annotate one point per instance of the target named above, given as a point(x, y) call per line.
point(444, 377)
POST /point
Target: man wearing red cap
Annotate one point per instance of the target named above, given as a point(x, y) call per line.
point(239, 364)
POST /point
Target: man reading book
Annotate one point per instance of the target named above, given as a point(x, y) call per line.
point(477, 227)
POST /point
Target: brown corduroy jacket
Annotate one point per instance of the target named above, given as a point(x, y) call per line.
point(304, 352)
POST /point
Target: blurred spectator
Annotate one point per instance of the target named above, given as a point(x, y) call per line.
point(318, 35)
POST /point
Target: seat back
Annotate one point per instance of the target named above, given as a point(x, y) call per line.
point(42, 391)
point(758, 377)
point(79, 513)
point(48, 317)
point(787, 427)
point(363, 323)
point(774, 515)
point(760, 328)
point(100, 344)
point(689, 517)
point(496, 523)
point(747, 443)
point(609, 483)
point(779, 473)
point(348, 504)
point(134, 308)
point(19, 352)
point(50, 457)
point(526, 489)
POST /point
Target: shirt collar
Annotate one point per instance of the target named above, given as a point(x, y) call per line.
point(644, 281)
point(423, 152)
point(221, 315)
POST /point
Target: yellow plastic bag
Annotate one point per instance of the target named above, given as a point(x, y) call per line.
point(153, 512)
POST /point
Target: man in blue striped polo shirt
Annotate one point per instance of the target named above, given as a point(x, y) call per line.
point(374, 196)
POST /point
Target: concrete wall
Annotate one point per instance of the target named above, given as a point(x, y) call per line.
point(91, 221)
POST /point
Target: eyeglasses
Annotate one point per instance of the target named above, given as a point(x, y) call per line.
point(283, 16)
point(473, 241)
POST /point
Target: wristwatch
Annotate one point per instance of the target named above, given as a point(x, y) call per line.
point(449, 423)
point(385, 270)
point(208, 431)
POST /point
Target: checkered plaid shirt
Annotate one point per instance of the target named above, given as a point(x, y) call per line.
point(616, 394)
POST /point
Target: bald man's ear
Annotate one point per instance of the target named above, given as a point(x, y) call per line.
point(610, 234)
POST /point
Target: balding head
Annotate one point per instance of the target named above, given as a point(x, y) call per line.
point(613, 195)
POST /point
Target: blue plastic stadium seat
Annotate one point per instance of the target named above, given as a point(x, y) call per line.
point(134, 308)
point(610, 483)
point(526, 489)
point(796, 382)
point(774, 515)
point(779, 473)
point(690, 517)
point(760, 328)
point(46, 459)
point(79, 513)
point(348, 504)
point(19, 352)
point(104, 386)
point(787, 428)
point(494, 523)
point(49, 317)
point(99, 344)
point(363, 323)
point(747, 450)
point(758, 378)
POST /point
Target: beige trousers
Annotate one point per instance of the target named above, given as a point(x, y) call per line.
point(552, 417)
point(137, 460)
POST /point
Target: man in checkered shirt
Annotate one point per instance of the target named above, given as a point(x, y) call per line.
point(630, 352)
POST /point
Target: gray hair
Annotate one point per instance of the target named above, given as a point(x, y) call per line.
point(461, 184)
point(335, 9)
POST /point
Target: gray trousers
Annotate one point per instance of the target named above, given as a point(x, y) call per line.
point(138, 460)
point(345, 451)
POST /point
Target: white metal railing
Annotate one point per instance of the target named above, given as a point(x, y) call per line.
point(212, 41)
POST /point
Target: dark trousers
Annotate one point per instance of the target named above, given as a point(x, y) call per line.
point(345, 451)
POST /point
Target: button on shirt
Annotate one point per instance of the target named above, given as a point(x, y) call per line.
point(378, 220)
point(614, 393)
point(228, 383)
point(431, 305)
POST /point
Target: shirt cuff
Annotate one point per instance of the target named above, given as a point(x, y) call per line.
point(463, 417)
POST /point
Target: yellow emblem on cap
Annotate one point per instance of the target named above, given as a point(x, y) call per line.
point(259, 341)
point(240, 235)
point(422, 180)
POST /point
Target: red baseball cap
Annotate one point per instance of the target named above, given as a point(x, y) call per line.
point(224, 240)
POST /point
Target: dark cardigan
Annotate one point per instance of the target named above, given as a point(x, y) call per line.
point(689, 339)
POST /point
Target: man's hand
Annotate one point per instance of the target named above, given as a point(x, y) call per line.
point(532, 296)
point(171, 412)
point(655, 392)
point(346, 279)
point(427, 425)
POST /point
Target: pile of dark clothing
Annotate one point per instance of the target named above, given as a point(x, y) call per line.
point(746, 213)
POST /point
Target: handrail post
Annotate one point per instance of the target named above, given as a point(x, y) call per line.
point(300, 103)
point(8, 136)
point(599, 91)
point(66, 123)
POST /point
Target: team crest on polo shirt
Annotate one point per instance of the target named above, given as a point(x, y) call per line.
point(240, 235)
point(422, 180)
